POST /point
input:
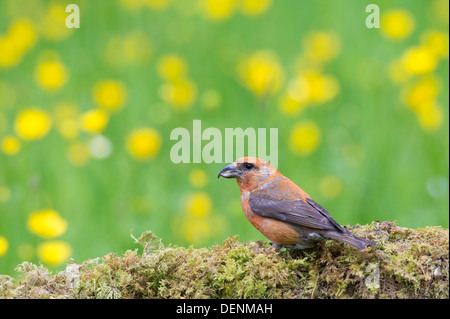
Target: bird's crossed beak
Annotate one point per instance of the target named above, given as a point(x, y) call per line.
point(229, 171)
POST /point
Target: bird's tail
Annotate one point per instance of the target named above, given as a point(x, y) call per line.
point(350, 239)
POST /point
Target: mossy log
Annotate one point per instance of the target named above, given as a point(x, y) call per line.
point(410, 263)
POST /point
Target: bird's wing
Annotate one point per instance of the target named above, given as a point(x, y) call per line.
point(324, 212)
point(297, 212)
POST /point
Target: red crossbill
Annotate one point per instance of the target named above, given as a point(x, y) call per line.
point(281, 210)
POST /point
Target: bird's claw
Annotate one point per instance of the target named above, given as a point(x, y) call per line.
point(276, 246)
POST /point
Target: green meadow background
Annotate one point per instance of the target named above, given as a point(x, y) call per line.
point(370, 143)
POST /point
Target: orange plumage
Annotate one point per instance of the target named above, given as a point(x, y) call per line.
point(281, 210)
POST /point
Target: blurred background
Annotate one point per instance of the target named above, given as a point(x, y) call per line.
point(86, 116)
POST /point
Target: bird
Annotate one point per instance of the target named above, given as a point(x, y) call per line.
point(282, 211)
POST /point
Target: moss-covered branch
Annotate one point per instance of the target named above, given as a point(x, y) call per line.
point(411, 263)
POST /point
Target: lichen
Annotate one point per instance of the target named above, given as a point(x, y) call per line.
point(410, 263)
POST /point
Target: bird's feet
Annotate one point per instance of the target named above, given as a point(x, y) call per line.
point(276, 246)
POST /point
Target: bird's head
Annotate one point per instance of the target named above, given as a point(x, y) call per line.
point(250, 172)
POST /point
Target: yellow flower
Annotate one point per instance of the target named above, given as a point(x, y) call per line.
point(32, 124)
point(5, 194)
point(51, 75)
point(321, 46)
point(198, 178)
point(419, 60)
point(54, 252)
point(196, 230)
point(10, 56)
point(254, 7)
point(323, 88)
point(397, 73)
point(22, 34)
point(217, 10)
point(78, 154)
point(180, 93)
point(110, 94)
point(298, 89)
point(305, 138)
point(304, 64)
point(4, 244)
point(199, 205)
point(66, 110)
point(66, 119)
point(53, 25)
point(10, 145)
point(68, 128)
point(171, 67)
point(94, 121)
point(143, 143)
point(20, 38)
point(430, 116)
point(47, 223)
point(397, 24)
point(314, 87)
point(436, 42)
point(290, 105)
point(330, 186)
point(261, 72)
point(422, 92)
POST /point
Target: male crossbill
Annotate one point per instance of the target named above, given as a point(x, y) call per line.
point(281, 210)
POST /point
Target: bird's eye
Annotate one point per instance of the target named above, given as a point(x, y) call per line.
point(249, 166)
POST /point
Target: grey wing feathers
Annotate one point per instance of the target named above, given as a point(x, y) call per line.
point(298, 212)
point(325, 213)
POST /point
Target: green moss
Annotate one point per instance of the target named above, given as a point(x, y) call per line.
point(410, 263)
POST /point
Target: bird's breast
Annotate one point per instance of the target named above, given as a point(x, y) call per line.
point(275, 230)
